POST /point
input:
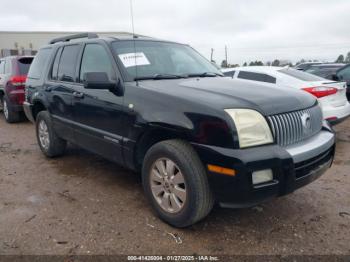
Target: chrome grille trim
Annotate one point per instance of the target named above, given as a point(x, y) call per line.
point(288, 128)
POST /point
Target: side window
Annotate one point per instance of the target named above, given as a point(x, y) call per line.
point(256, 77)
point(345, 73)
point(68, 62)
point(2, 66)
point(8, 66)
point(39, 63)
point(95, 59)
point(54, 70)
point(230, 73)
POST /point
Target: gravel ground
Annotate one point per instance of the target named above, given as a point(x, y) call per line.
point(83, 204)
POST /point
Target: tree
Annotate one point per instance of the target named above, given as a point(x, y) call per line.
point(340, 59)
point(224, 64)
point(245, 64)
point(276, 62)
point(347, 59)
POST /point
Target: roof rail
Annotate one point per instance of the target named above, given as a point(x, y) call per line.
point(71, 37)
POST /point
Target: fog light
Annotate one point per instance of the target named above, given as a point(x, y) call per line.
point(262, 176)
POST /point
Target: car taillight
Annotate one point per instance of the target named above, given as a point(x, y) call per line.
point(18, 80)
point(321, 91)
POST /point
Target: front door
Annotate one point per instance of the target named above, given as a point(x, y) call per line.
point(98, 113)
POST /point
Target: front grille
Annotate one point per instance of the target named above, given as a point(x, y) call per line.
point(293, 127)
point(306, 167)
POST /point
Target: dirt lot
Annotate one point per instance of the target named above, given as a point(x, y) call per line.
point(82, 204)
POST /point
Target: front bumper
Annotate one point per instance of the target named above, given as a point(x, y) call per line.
point(293, 167)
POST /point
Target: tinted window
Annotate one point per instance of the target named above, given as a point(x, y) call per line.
point(67, 66)
point(2, 66)
point(256, 77)
point(95, 59)
point(54, 70)
point(39, 63)
point(24, 64)
point(300, 75)
point(344, 74)
point(231, 73)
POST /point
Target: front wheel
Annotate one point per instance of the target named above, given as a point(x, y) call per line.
point(176, 183)
point(50, 144)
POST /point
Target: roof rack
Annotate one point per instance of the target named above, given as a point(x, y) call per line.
point(71, 37)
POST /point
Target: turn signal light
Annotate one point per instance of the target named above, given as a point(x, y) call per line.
point(321, 91)
point(222, 170)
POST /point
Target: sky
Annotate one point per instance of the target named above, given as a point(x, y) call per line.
point(252, 30)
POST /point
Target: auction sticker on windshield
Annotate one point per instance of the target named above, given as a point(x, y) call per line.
point(133, 59)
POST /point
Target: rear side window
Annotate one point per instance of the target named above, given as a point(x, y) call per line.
point(8, 66)
point(54, 70)
point(344, 73)
point(39, 63)
point(300, 75)
point(24, 65)
point(2, 66)
point(257, 77)
point(230, 74)
point(68, 62)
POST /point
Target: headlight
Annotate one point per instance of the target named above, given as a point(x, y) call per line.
point(251, 126)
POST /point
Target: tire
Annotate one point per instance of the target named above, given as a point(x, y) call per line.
point(50, 144)
point(10, 115)
point(175, 207)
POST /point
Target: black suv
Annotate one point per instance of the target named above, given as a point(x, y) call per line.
point(161, 108)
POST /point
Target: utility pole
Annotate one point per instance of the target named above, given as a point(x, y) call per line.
point(211, 55)
point(226, 54)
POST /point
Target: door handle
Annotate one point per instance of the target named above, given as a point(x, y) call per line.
point(78, 94)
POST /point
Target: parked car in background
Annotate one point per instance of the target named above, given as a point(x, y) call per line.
point(330, 94)
point(343, 74)
point(324, 70)
point(306, 65)
point(13, 74)
point(196, 136)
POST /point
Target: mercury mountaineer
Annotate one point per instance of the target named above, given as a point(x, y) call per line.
point(161, 109)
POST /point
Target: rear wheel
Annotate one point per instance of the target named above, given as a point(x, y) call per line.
point(50, 144)
point(11, 116)
point(175, 181)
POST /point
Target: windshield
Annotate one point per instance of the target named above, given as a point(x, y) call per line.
point(159, 60)
point(300, 75)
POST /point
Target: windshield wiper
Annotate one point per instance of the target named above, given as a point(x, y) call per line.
point(159, 76)
point(205, 74)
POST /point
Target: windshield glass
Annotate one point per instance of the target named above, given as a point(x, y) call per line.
point(300, 75)
point(154, 58)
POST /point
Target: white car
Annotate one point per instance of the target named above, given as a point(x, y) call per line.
point(331, 95)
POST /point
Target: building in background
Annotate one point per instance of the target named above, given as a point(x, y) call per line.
point(27, 42)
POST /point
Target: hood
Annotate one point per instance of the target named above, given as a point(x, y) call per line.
point(225, 93)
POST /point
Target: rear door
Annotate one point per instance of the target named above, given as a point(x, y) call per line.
point(59, 89)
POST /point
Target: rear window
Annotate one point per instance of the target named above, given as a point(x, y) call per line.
point(300, 75)
point(257, 77)
point(24, 65)
point(39, 63)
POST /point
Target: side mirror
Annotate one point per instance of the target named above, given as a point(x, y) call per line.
point(97, 80)
point(335, 77)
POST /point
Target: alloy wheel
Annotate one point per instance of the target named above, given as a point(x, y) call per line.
point(168, 185)
point(43, 133)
